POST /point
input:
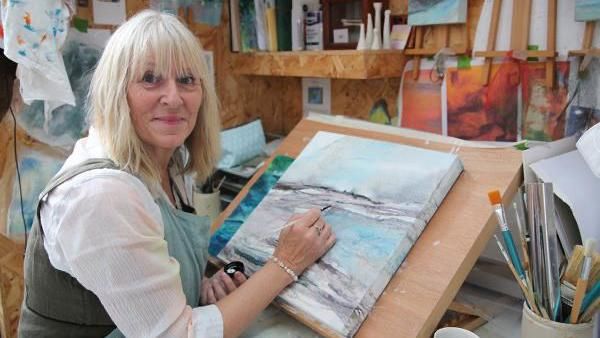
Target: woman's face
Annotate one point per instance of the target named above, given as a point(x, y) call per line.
point(164, 108)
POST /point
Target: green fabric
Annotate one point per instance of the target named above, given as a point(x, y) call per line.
point(187, 238)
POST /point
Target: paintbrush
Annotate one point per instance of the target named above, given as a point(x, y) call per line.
point(521, 282)
point(296, 221)
point(582, 282)
point(496, 202)
point(587, 315)
point(591, 297)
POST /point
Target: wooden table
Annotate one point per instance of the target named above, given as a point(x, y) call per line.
point(426, 283)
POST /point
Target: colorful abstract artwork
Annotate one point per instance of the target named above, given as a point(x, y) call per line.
point(376, 221)
point(421, 103)
point(258, 191)
point(485, 113)
point(248, 26)
point(436, 12)
point(587, 10)
point(67, 123)
point(543, 117)
point(36, 169)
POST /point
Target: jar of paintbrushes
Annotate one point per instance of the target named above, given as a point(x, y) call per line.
point(207, 201)
point(559, 302)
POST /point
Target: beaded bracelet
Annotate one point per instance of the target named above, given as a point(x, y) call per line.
point(285, 268)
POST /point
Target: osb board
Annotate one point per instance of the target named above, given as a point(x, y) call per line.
point(11, 286)
point(355, 98)
point(428, 280)
point(343, 64)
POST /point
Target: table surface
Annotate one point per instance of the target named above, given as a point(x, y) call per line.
point(424, 286)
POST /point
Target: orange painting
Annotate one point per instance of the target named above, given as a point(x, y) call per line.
point(485, 113)
point(543, 117)
point(421, 103)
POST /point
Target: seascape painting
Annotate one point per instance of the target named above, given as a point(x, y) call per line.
point(421, 103)
point(587, 10)
point(382, 195)
point(436, 12)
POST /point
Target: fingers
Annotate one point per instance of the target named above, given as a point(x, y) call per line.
point(226, 282)
point(308, 218)
point(239, 278)
point(210, 295)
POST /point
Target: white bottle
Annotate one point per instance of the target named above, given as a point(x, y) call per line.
point(369, 34)
point(377, 7)
point(297, 28)
point(362, 41)
point(376, 39)
point(386, 30)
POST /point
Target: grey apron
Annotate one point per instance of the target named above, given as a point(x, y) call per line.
point(56, 305)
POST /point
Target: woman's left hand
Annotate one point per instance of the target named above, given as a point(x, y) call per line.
point(219, 285)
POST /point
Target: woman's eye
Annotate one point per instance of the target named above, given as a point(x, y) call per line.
point(150, 78)
point(187, 80)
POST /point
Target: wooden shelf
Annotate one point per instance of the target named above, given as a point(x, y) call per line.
point(341, 64)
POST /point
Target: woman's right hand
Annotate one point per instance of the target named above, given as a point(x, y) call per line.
point(304, 241)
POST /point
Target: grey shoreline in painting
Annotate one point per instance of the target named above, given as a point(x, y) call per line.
point(382, 196)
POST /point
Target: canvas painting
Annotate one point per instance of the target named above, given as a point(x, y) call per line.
point(587, 10)
point(436, 12)
point(483, 113)
point(207, 12)
point(382, 195)
point(543, 117)
point(36, 169)
point(421, 103)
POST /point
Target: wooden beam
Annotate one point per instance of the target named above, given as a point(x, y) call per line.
point(523, 53)
point(551, 42)
point(491, 43)
point(417, 58)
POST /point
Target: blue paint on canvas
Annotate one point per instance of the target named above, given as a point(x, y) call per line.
point(587, 10)
point(382, 195)
point(258, 191)
point(436, 12)
point(36, 170)
point(68, 123)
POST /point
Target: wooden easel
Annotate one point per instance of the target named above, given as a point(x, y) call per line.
point(441, 35)
point(520, 38)
point(588, 37)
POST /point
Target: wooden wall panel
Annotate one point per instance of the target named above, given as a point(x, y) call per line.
point(356, 97)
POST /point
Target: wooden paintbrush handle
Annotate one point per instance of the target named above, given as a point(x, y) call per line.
point(579, 293)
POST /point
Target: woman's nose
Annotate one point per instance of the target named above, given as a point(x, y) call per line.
point(171, 96)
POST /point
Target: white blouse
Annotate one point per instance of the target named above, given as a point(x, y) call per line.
point(104, 228)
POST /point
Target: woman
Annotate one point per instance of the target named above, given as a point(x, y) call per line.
point(113, 245)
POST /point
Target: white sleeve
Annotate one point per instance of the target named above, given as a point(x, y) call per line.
point(114, 248)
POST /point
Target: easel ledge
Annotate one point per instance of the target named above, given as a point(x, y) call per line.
point(427, 282)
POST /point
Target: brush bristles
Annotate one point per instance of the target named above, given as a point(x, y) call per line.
point(589, 247)
point(494, 197)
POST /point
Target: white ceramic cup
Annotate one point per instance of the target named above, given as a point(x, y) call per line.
point(533, 326)
point(207, 204)
point(454, 332)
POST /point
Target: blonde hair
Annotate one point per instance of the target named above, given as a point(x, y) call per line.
point(168, 43)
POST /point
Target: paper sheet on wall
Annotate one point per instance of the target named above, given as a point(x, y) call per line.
point(109, 12)
point(576, 185)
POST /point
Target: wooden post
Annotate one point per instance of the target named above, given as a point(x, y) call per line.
point(418, 45)
point(491, 43)
point(551, 42)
